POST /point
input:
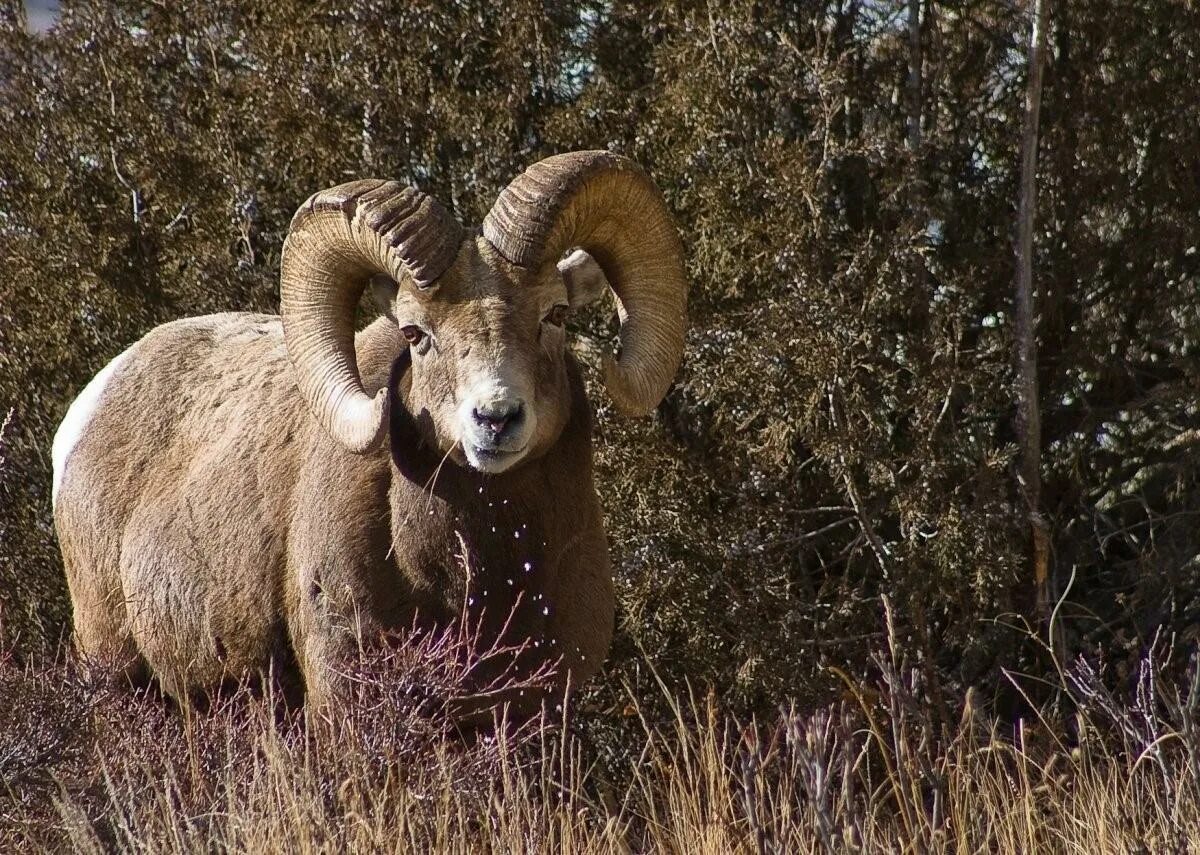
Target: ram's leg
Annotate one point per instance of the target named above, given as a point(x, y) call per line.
point(102, 634)
point(341, 584)
point(323, 649)
point(338, 617)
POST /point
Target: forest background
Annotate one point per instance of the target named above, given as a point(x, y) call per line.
point(845, 176)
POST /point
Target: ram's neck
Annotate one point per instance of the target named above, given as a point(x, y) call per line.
point(490, 543)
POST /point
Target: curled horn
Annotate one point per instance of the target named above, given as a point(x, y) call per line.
point(338, 239)
point(606, 205)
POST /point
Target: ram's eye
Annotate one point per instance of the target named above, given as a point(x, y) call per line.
point(412, 334)
point(557, 315)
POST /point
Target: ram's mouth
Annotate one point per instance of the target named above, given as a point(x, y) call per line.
point(493, 460)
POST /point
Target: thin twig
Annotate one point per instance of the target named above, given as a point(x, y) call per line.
point(8, 417)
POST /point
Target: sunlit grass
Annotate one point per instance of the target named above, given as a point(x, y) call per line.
point(98, 769)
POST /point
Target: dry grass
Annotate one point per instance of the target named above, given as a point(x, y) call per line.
point(95, 769)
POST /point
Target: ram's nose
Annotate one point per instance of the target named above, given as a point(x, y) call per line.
point(500, 418)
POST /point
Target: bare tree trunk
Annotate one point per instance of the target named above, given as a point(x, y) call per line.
point(916, 188)
point(914, 76)
point(1029, 419)
point(849, 49)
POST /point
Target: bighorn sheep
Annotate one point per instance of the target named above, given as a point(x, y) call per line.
point(223, 495)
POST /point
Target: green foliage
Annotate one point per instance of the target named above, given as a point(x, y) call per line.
point(843, 427)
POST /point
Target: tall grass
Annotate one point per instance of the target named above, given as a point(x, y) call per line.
point(93, 768)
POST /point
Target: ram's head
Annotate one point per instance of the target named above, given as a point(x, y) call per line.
point(483, 312)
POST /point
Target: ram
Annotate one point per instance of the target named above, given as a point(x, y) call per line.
point(238, 493)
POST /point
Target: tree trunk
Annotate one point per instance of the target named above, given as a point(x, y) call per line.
point(1029, 422)
point(914, 76)
point(916, 186)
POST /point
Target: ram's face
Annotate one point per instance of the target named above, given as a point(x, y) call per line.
point(484, 313)
point(488, 384)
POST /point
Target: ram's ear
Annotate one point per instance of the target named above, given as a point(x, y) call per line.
point(584, 278)
point(383, 292)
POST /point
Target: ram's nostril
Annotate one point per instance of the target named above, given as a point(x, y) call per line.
point(493, 423)
point(495, 419)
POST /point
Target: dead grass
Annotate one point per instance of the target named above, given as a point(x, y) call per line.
point(95, 769)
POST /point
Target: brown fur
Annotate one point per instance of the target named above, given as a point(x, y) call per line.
point(210, 528)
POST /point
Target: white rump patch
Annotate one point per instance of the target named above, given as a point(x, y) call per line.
point(76, 421)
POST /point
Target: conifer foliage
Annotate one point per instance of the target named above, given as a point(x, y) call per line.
point(845, 176)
